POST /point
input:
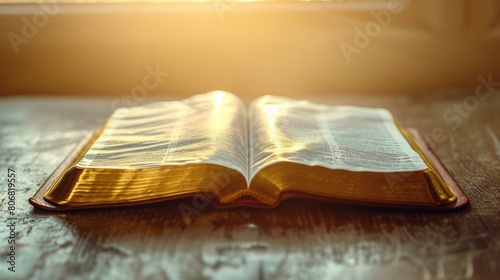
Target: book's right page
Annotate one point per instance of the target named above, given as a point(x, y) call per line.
point(343, 152)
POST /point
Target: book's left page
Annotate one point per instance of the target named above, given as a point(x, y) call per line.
point(161, 150)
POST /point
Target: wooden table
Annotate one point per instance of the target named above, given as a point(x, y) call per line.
point(298, 240)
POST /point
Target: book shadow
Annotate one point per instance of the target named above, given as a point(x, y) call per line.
point(298, 216)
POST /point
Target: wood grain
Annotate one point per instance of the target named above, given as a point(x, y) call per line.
point(298, 240)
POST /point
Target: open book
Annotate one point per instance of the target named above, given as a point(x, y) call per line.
point(211, 147)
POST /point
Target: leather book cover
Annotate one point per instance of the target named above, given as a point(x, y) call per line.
point(39, 202)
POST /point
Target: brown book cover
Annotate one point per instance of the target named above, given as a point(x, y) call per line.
point(461, 201)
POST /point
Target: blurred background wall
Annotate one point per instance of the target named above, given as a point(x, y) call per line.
point(280, 47)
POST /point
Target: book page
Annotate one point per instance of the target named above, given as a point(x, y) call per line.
point(209, 128)
point(336, 137)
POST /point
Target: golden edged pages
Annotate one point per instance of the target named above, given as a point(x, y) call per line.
point(279, 148)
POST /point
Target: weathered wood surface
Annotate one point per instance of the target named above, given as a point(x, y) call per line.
point(298, 240)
